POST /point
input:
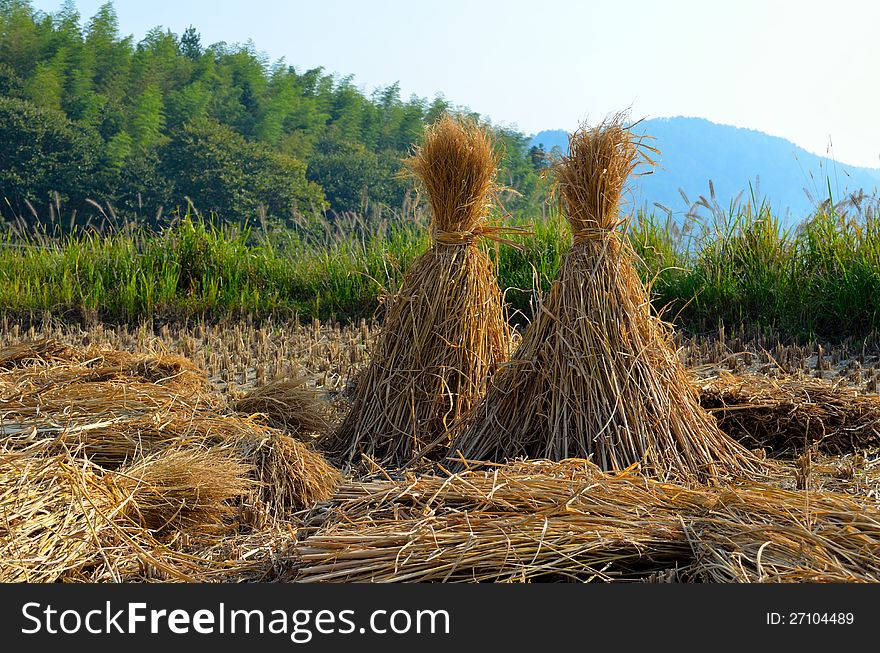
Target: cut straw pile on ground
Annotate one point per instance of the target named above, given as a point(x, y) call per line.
point(445, 330)
point(287, 404)
point(115, 466)
point(541, 520)
point(595, 375)
point(790, 415)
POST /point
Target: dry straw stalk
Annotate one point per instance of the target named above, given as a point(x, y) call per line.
point(540, 520)
point(596, 375)
point(791, 414)
point(445, 331)
point(114, 466)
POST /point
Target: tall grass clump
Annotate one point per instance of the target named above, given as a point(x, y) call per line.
point(739, 265)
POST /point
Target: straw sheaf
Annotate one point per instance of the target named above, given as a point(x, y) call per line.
point(290, 475)
point(457, 164)
point(592, 176)
point(596, 375)
point(183, 489)
point(445, 331)
point(46, 364)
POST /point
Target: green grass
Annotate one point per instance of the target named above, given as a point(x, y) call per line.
point(739, 267)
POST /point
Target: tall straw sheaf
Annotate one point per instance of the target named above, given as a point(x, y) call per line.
point(596, 375)
point(445, 331)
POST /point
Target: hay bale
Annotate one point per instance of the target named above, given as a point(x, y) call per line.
point(789, 415)
point(445, 331)
point(596, 375)
point(287, 404)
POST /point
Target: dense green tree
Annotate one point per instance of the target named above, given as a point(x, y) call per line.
point(353, 176)
point(147, 119)
point(234, 177)
point(191, 44)
point(44, 153)
point(165, 118)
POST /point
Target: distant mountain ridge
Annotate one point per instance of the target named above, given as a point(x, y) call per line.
point(694, 151)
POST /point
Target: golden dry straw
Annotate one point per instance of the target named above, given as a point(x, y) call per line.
point(791, 414)
point(181, 489)
point(105, 476)
point(45, 351)
point(288, 404)
point(290, 474)
point(445, 331)
point(67, 519)
point(596, 375)
point(540, 520)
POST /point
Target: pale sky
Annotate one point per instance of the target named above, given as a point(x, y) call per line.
point(805, 70)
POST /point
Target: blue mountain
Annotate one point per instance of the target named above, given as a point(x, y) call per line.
point(694, 151)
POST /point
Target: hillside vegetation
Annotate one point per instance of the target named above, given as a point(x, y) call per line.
point(96, 125)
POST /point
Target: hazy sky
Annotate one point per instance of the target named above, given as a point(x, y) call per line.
point(802, 69)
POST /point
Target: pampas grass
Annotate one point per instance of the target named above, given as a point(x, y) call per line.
point(596, 375)
point(445, 331)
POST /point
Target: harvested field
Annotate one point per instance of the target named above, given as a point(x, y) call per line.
point(118, 466)
point(131, 464)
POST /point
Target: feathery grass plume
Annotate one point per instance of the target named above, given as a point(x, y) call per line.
point(788, 415)
point(287, 404)
point(445, 331)
point(596, 375)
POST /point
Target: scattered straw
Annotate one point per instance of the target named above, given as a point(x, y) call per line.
point(540, 520)
point(122, 467)
point(789, 415)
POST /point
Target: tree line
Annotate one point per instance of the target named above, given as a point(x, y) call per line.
point(91, 119)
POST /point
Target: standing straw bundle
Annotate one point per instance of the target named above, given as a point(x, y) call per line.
point(595, 375)
point(445, 331)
